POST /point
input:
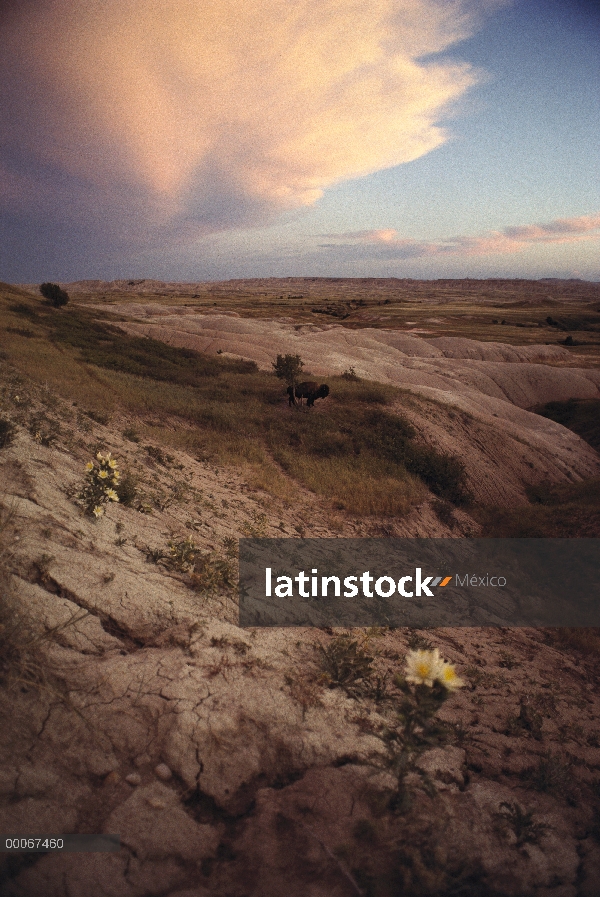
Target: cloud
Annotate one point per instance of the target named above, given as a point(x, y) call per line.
point(180, 117)
point(386, 244)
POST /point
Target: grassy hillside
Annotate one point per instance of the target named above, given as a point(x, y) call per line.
point(348, 448)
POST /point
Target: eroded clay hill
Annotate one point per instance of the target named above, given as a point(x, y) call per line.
point(236, 762)
point(478, 392)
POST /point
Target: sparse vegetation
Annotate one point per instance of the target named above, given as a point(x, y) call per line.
point(417, 641)
point(580, 415)
point(213, 573)
point(55, 295)
point(127, 489)
point(182, 554)
point(364, 460)
point(521, 824)
point(346, 663)
point(585, 641)
point(528, 720)
point(7, 432)
point(551, 774)
point(257, 528)
point(157, 454)
point(564, 511)
point(98, 417)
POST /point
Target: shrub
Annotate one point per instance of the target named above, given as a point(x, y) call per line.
point(20, 308)
point(345, 662)
point(288, 368)
point(7, 432)
point(182, 554)
point(98, 416)
point(580, 415)
point(526, 831)
point(55, 295)
point(213, 573)
point(550, 775)
point(126, 489)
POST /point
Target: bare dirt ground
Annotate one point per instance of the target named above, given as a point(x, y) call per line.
point(230, 761)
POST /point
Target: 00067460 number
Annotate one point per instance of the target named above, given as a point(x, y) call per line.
point(34, 843)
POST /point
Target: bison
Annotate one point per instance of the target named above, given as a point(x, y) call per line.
point(309, 391)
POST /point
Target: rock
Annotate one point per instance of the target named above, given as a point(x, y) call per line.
point(163, 772)
point(113, 778)
point(153, 823)
point(134, 778)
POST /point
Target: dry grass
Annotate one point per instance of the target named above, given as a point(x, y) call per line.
point(575, 640)
point(354, 486)
point(556, 511)
point(351, 450)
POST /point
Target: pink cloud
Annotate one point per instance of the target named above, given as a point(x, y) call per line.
point(267, 101)
point(386, 241)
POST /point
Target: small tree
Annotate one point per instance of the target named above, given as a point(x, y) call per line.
point(55, 295)
point(288, 368)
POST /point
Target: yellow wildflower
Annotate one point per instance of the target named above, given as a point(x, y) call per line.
point(111, 494)
point(102, 474)
point(100, 456)
point(112, 463)
point(98, 511)
point(89, 465)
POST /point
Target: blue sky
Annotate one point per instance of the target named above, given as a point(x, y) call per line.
point(406, 138)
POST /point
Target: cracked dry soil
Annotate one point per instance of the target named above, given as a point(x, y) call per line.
point(220, 756)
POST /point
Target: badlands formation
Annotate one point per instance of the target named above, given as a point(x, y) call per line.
point(504, 446)
point(235, 762)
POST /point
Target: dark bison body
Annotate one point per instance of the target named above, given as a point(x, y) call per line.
point(309, 391)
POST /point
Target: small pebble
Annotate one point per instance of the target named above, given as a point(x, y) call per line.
point(163, 772)
point(156, 803)
point(134, 778)
point(112, 778)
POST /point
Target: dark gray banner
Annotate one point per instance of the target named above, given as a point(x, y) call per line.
point(60, 843)
point(419, 583)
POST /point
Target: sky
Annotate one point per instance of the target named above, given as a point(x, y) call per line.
point(194, 140)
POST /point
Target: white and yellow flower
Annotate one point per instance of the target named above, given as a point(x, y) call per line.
point(427, 667)
point(98, 511)
point(100, 456)
point(110, 493)
point(103, 474)
point(89, 466)
point(422, 667)
point(112, 463)
point(448, 677)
